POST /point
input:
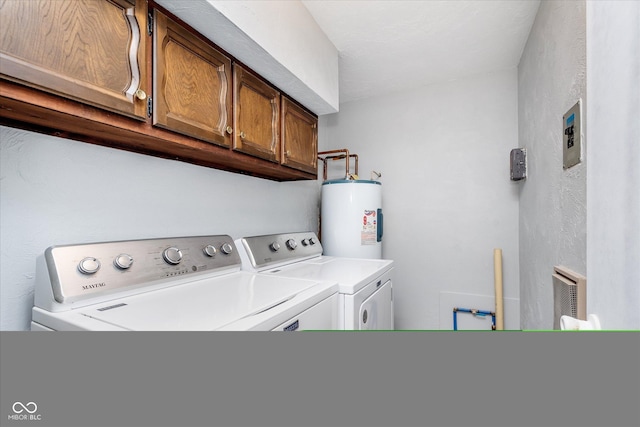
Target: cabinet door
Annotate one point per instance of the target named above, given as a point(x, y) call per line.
point(257, 116)
point(86, 50)
point(299, 137)
point(192, 84)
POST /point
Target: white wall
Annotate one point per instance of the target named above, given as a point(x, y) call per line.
point(443, 152)
point(57, 191)
point(613, 179)
point(551, 78)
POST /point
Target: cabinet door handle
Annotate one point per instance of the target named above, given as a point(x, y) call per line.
point(242, 135)
point(288, 153)
point(229, 130)
point(141, 95)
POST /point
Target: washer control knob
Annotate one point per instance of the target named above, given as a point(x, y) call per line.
point(123, 261)
point(305, 242)
point(89, 265)
point(209, 250)
point(172, 255)
point(275, 246)
point(312, 241)
point(226, 248)
point(291, 244)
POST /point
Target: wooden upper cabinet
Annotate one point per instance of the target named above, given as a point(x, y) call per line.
point(256, 116)
point(90, 69)
point(299, 137)
point(192, 84)
point(87, 50)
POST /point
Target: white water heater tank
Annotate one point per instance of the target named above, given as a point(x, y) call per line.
point(351, 218)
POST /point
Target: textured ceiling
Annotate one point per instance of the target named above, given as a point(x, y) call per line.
point(389, 46)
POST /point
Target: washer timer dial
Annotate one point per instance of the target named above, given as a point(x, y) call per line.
point(172, 255)
point(209, 250)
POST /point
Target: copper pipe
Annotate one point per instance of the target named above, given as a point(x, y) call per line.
point(343, 150)
point(338, 157)
point(356, 156)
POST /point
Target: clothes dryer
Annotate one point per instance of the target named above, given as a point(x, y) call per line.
point(365, 285)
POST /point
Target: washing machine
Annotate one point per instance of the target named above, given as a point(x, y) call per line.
point(365, 286)
point(172, 284)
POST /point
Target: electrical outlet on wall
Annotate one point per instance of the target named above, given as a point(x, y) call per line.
point(572, 136)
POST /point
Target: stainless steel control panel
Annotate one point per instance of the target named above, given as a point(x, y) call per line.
point(268, 250)
point(85, 271)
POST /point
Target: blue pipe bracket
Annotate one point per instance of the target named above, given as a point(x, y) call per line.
point(475, 312)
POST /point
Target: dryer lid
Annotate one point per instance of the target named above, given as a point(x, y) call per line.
point(351, 274)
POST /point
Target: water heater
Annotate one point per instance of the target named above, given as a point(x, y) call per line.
point(351, 218)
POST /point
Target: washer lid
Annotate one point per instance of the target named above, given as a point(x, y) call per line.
point(352, 274)
point(202, 305)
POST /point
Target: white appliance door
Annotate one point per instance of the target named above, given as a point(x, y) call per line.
point(376, 312)
point(322, 316)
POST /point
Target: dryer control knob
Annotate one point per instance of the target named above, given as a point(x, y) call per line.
point(172, 255)
point(312, 241)
point(275, 246)
point(89, 265)
point(226, 248)
point(209, 250)
point(305, 242)
point(291, 244)
point(123, 261)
